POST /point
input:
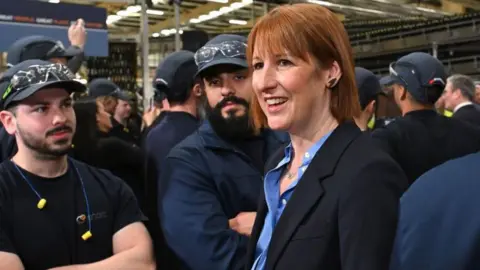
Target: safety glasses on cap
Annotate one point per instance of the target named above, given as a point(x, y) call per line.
point(37, 74)
point(57, 50)
point(431, 82)
point(229, 49)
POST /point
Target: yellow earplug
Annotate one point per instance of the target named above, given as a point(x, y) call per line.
point(87, 236)
point(41, 204)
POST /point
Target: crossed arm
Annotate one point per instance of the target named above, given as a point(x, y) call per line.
point(132, 249)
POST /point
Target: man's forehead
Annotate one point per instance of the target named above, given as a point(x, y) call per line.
point(225, 72)
point(48, 95)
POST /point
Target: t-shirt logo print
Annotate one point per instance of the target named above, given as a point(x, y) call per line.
point(81, 219)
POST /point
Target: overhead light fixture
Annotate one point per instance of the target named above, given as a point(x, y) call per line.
point(111, 19)
point(134, 9)
point(219, 1)
point(154, 12)
point(124, 13)
point(367, 10)
point(54, 1)
point(238, 22)
point(155, 35)
point(222, 11)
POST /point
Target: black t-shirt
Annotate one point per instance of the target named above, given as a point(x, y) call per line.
point(51, 237)
point(122, 132)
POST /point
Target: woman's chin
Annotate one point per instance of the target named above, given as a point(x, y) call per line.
point(276, 123)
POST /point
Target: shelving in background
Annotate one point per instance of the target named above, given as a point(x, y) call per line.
point(120, 66)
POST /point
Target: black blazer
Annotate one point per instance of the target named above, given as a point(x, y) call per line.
point(343, 212)
point(469, 114)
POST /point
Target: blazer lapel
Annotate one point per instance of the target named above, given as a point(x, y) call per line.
point(309, 189)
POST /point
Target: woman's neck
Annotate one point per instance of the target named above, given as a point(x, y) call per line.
point(306, 137)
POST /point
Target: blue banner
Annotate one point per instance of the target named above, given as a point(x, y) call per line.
point(26, 18)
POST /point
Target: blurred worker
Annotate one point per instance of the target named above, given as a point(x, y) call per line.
point(368, 90)
point(458, 96)
point(423, 139)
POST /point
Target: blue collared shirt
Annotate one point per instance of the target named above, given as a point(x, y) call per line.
point(276, 203)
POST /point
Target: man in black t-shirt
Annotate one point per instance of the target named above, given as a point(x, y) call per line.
point(56, 212)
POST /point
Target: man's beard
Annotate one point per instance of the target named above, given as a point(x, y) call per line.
point(232, 127)
point(41, 147)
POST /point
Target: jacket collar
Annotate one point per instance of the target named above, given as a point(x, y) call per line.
point(307, 193)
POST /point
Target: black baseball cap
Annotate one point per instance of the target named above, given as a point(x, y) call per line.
point(101, 87)
point(38, 47)
point(416, 72)
point(175, 76)
point(222, 50)
point(25, 79)
point(368, 86)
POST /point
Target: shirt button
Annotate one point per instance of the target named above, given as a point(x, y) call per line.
point(307, 155)
point(284, 202)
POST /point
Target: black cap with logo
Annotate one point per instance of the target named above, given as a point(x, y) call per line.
point(368, 86)
point(25, 79)
point(222, 50)
point(38, 47)
point(418, 72)
point(175, 76)
point(101, 87)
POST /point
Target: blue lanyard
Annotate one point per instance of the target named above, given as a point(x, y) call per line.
point(42, 201)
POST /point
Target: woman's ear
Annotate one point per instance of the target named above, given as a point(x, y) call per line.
point(335, 73)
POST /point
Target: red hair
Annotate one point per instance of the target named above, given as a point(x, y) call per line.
point(308, 31)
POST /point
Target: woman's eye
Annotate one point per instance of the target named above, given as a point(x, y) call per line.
point(257, 66)
point(284, 62)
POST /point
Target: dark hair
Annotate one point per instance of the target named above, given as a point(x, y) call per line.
point(86, 134)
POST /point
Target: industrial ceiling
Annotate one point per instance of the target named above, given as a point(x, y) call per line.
point(221, 16)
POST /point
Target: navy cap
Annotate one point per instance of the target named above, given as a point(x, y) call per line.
point(368, 86)
point(38, 47)
point(101, 87)
point(416, 72)
point(28, 77)
point(175, 75)
point(222, 50)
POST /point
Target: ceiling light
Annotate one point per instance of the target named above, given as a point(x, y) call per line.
point(225, 9)
point(133, 9)
point(113, 18)
point(194, 20)
point(154, 12)
point(155, 35)
point(238, 22)
point(219, 1)
point(123, 13)
point(54, 1)
point(236, 5)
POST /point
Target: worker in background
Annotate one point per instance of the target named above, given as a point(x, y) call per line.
point(422, 139)
point(44, 48)
point(211, 182)
point(49, 49)
point(175, 78)
point(368, 90)
point(458, 97)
